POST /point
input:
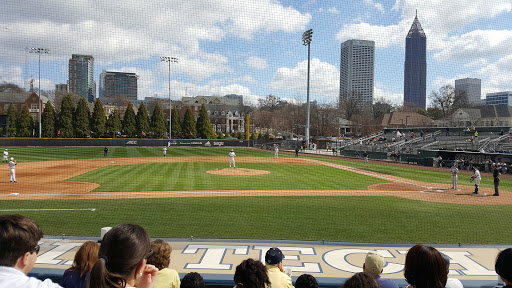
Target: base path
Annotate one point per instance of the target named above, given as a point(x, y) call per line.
point(47, 180)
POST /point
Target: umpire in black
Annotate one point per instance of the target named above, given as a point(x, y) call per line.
point(496, 175)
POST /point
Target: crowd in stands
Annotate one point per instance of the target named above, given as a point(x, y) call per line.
point(127, 258)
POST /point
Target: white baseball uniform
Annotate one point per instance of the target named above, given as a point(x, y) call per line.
point(165, 151)
point(6, 156)
point(232, 159)
point(454, 170)
point(12, 164)
point(276, 152)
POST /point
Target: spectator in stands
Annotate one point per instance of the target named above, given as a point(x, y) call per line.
point(360, 280)
point(161, 258)
point(451, 282)
point(251, 274)
point(274, 260)
point(425, 268)
point(306, 281)
point(373, 265)
point(122, 259)
point(78, 275)
point(503, 266)
point(19, 237)
point(192, 280)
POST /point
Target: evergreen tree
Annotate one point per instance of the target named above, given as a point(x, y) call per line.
point(98, 119)
point(189, 125)
point(220, 135)
point(203, 126)
point(142, 119)
point(114, 124)
point(13, 120)
point(25, 123)
point(175, 124)
point(129, 122)
point(65, 124)
point(158, 123)
point(48, 121)
point(81, 119)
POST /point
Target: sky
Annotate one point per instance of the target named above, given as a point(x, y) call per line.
point(254, 48)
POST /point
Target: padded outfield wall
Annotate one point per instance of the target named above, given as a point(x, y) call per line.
point(122, 142)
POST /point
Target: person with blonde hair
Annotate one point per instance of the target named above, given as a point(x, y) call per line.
point(161, 258)
point(78, 274)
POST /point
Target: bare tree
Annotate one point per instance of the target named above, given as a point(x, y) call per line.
point(447, 100)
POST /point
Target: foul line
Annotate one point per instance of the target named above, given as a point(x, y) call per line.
point(43, 209)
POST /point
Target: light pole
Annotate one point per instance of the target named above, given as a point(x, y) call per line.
point(39, 51)
point(169, 60)
point(306, 38)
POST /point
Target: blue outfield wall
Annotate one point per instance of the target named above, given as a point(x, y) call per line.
point(122, 142)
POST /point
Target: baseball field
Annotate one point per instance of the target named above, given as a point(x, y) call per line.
point(193, 193)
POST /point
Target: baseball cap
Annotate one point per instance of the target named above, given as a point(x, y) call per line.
point(12, 158)
point(274, 256)
point(373, 263)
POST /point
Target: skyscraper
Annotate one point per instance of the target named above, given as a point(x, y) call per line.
point(81, 76)
point(118, 86)
point(472, 87)
point(415, 73)
point(357, 71)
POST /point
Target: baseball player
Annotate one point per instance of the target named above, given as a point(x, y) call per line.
point(276, 152)
point(476, 176)
point(6, 156)
point(232, 158)
point(365, 155)
point(12, 164)
point(165, 151)
point(454, 171)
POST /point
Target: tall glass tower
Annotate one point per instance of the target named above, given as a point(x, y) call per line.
point(415, 73)
point(81, 76)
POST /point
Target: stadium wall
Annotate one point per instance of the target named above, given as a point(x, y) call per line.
point(122, 142)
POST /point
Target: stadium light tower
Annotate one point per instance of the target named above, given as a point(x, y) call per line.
point(169, 60)
point(39, 51)
point(306, 38)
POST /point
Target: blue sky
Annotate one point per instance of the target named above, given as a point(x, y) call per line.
point(254, 48)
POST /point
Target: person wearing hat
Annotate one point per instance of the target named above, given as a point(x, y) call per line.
point(454, 171)
point(275, 272)
point(496, 173)
point(476, 176)
point(6, 156)
point(232, 155)
point(12, 164)
point(373, 264)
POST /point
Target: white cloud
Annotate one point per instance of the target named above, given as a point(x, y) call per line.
point(499, 74)
point(324, 78)
point(375, 5)
point(379, 92)
point(383, 36)
point(333, 10)
point(256, 62)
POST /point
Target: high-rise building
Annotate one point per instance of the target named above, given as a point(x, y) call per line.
point(415, 73)
point(357, 71)
point(472, 87)
point(499, 98)
point(116, 87)
point(81, 76)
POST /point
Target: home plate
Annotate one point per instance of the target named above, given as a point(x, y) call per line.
point(14, 194)
point(439, 190)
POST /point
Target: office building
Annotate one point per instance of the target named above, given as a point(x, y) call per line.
point(472, 87)
point(81, 76)
point(357, 71)
point(499, 98)
point(415, 72)
point(116, 87)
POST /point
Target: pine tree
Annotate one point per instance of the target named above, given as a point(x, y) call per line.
point(13, 120)
point(129, 122)
point(65, 124)
point(142, 119)
point(203, 126)
point(158, 123)
point(48, 121)
point(98, 119)
point(81, 119)
point(114, 124)
point(25, 123)
point(189, 125)
point(175, 124)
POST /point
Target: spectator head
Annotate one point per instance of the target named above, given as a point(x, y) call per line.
point(447, 262)
point(306, 281)
point(85, 258)
point(161, 257)
point(192, 280)
point(503, 265)
point(19, 236)
point(373, 264)
point(425, 267)
point(274, 256)
point(361, 280)
point(251, 274)
point(122, 256)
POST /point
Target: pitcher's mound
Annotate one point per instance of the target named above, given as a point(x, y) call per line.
point(238, 172)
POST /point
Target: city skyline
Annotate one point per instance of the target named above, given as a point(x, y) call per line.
point(239, 47)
